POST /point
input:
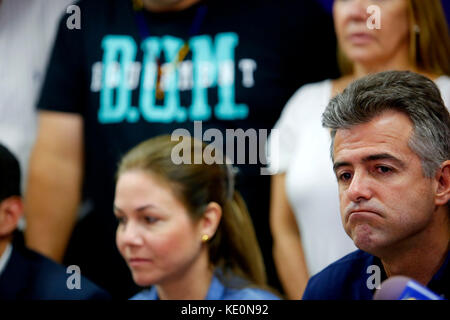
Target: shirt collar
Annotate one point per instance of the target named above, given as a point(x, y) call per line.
point(153, 294)
point(5, 257)
point(438, 282)
point(216, 291)
point(443, 270)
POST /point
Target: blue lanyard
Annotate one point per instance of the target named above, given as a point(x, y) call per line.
point(144, 29)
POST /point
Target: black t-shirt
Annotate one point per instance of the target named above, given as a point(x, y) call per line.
point(246, 58)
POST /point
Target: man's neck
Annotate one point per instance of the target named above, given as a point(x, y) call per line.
point(420, 268)
point(421, 257)
point(157, 7)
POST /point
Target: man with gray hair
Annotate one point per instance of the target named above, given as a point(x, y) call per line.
point(390, 148)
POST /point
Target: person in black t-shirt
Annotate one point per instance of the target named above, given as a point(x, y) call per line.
point(133, 71)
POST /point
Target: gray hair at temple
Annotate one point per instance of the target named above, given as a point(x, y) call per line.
point(415, 95)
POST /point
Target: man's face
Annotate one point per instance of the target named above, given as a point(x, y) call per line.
point(385, 199)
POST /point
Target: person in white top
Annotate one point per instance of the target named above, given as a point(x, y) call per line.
point(27, 30)
point(304, 215)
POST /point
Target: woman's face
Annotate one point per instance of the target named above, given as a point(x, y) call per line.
point(155, 235)
point(359, 36)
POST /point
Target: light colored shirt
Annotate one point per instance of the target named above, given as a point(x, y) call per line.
point(217, 291)
point(27, 31)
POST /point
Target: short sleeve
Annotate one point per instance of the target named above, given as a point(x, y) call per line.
point(62, 89)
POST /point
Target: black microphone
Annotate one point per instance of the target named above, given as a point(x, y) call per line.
point(404, 288)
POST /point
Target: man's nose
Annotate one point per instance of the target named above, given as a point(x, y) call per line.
point(360, 187)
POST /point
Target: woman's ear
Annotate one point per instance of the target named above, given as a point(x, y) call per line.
point(443, 184)
point(210, 220)
point(11, 210)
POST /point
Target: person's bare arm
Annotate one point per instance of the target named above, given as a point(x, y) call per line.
point(54, 183)
point(287, 247)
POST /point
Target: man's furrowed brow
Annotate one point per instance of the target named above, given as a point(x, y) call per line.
point(373, 157)
point(339, 164)
point(384, 156)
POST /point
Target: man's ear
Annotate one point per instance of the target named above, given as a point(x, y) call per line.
point(11, 210)
point(443, 184)
point(211, 219)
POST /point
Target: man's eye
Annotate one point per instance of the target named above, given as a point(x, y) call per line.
point(120, 220)
point(346, 176)
point(383, 169)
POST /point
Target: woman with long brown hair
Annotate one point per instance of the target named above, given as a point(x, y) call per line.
point(183, 229)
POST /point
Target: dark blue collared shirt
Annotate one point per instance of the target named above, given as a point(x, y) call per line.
point(347, 279)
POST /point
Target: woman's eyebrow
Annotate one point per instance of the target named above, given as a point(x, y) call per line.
point(138, 209)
